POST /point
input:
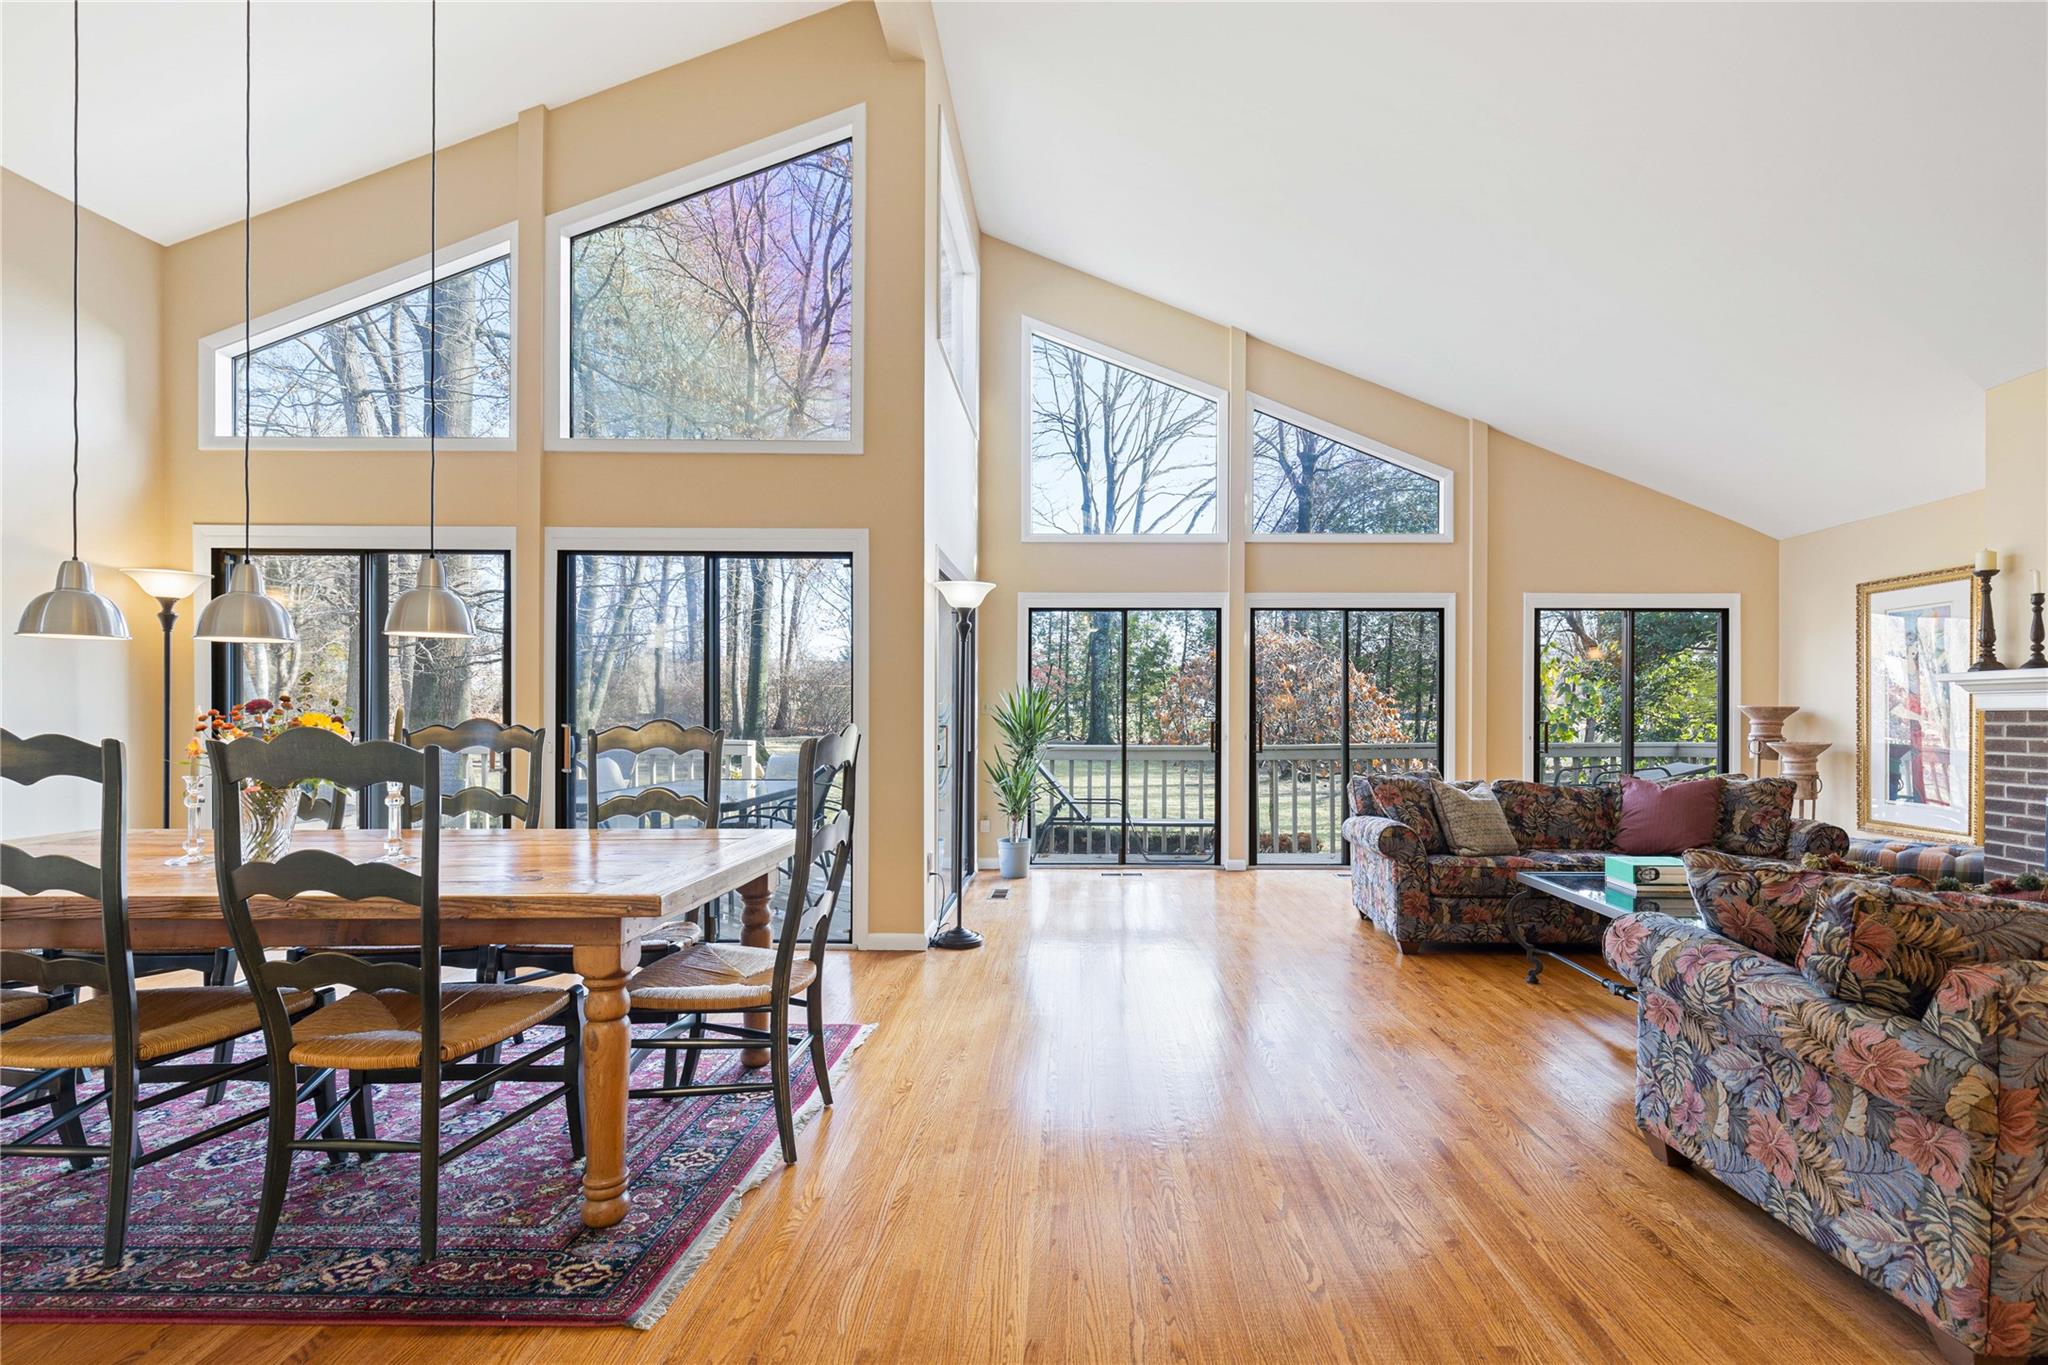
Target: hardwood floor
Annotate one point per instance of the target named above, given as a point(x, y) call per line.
point(1202, 1117)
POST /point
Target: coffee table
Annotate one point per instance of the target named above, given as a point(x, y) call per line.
point(1584, 891)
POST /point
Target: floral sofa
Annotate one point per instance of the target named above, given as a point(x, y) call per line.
point(1405, 879)
point(1906, 1143)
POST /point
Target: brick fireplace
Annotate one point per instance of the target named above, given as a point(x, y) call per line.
point(2014, 705)
point(2015, 792)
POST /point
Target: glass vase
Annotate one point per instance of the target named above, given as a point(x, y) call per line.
point(194, 843)
point(269, 815)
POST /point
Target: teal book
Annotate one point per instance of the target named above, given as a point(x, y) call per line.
point(1656, 873)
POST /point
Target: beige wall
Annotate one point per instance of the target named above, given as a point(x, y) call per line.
point(1527, 520)
point(551, 160)
point(92, 689)
point(1819, 573)
point(1817, 620)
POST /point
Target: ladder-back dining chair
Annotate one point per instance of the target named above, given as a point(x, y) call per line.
point(498, 743)
point(399, 1025)
point(128, 1035)
point(680, 992)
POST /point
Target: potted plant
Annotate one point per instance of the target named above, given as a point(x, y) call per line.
point(1025, 718)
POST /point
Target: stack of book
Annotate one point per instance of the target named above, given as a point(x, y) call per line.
point(1637, 875)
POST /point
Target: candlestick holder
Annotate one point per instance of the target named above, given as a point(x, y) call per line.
point(1987, 629)
point(2037, 659)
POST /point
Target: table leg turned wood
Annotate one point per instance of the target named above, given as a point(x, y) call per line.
point(754, 934)
point(607, 1045)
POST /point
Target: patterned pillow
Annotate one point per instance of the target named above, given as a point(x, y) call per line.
point(1756, 817)
point(1361, 786)
point(1546, 816)
point(1874, 944)
point(1763, 905)
point(1473, 824)
point(1408, 799)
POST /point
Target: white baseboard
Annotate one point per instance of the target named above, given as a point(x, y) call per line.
point(895, 943)
point(988, 865)
point(1236, 864)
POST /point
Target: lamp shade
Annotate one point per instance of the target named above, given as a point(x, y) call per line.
point(167, 585)
point(963, 594)
point(72, 610)
point(245, 614)
point(430, 609)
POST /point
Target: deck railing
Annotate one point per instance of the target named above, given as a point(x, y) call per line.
point(1298, 797)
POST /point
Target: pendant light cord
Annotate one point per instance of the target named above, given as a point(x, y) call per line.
point(248, 213)
point(76, 6)
point(433, 245)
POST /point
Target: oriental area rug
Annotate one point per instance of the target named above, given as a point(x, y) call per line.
point(513, 1248)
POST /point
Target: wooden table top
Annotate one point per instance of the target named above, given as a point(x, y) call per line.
point(485, 874)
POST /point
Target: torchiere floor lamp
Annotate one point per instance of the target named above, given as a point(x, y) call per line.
point(963, 596)
point(169, 587)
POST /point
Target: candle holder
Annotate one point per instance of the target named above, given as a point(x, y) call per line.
point(1987, 629)
point(2037, 659)
point(1766, 725)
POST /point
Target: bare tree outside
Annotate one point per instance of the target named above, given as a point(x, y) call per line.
point(1305, 483)
point(1116, 452)
point(726, 315)
point(364, 376)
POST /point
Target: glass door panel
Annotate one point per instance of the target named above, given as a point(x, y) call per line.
point(1395, 704)
point(1297, 734)
point(1077, 656)
point(757, 645)
point(1171, 798)
point(1581, 677)
point(1676, 692)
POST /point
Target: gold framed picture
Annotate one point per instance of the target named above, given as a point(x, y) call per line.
point(1919, 749)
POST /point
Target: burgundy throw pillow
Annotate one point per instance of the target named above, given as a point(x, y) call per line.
point(1668, 818)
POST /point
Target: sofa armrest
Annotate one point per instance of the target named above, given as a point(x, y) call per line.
point(1388, 838)
point(1999, 1013)
point(1631, 940)
point(1816, 836)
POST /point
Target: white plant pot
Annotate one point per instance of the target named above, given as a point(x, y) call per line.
point(1013, 857)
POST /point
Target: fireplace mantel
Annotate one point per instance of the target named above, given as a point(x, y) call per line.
point(2008, 689)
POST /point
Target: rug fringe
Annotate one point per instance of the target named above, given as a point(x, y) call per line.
point(767, 1164)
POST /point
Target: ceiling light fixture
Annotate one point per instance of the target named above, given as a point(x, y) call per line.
point(245, 613)
point(430, 609)
point(72, 610)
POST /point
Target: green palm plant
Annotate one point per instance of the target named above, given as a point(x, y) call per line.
point(1025, 718)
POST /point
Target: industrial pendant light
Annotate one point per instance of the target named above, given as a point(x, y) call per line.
point(430, 609)
point(245, 613)
point(72, 610)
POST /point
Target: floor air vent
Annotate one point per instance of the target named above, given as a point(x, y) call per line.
point(1000, 894)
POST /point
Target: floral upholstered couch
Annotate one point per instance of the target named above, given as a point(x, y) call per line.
point(1898, 1131)
point(1405, 879)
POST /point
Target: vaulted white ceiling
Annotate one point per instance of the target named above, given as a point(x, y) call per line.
point(340, 89)
point(1765, 258)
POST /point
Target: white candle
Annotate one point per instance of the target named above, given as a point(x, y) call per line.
point(2037, 582)
point(1987, 561)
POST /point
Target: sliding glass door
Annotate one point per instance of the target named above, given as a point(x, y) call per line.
point(757, 645)
point(1337, 692)
point(1131, 774)
point(1630, 690)
point(338, 600)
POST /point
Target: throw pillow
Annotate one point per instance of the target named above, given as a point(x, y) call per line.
point(1763, 905)
point(1474, 825)
point(1756, 817)
point(1408, 800)
point(1544, 815)
point(1875, 944)
point(1667, 818)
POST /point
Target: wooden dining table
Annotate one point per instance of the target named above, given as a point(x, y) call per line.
point(600, 892)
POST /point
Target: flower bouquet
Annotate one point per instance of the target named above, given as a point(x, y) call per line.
point(269, 813)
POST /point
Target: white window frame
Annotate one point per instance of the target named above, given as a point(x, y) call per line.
point(1446, 602)
point(1033, 327)
point(206, 538)
point(674, 540)
point(957, 228)
point(1330, 431)
point(847, 124)
point(219, 351)
point(1532, 602)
